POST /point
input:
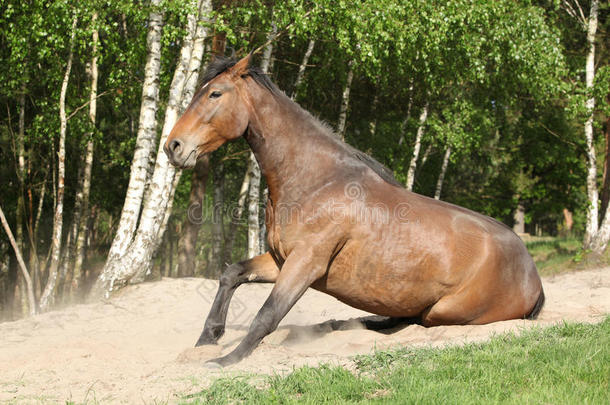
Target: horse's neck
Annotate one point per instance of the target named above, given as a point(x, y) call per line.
point(284, 142)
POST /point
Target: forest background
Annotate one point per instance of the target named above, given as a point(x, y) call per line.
point(502, 107)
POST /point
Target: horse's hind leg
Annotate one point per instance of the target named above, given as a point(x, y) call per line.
point(259, 269)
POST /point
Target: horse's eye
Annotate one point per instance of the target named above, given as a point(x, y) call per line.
point(215, 94)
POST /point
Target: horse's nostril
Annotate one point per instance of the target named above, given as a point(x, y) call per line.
point(175, 146)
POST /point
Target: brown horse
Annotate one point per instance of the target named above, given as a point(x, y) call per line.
point(339, 222)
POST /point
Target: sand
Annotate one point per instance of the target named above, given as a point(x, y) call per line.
point(137, 346)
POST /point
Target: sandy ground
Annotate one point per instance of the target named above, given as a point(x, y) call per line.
point(136, 348)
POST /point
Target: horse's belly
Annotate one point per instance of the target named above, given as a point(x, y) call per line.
point(377, 287)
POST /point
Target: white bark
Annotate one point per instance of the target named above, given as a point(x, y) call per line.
point(424, 158)
point(302, 67)
point(407, 115)
point(237, 214)
point(441, 177)
point(595, 238)
point(134, 265)
point(47, 295)
point(415, 155)
point(253, 200)
point(345, 102)
point(144, 145)
point(519, 219)
point(254, 228)
point(591, 227)
point(20, 144)
point(24, 270)
point(79, 248)
point(144, 142)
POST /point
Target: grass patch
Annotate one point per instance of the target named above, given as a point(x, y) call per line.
point(555, 255)
point(564, 364)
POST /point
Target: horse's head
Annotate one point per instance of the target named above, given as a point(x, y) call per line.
point(218, 113)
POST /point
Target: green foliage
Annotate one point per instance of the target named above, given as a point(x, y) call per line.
point(503, 80)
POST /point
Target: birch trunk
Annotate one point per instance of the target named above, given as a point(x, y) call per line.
point(79, 245)
point(345, 102)
point(24, 270)
point(20, 144)
point(519, 219)
point(136, 263)
point(215, 256)
point(591, 239)
point(187, 245)
point(20, 213)
point(418, 137)
point(302, 67)
point(47, 296)
point(424, 158)
point(253, 202)
point(255, 177)
point(237, 215)
point(145, 141)
point(407, 115)
point(605, 194)
point(441, 177)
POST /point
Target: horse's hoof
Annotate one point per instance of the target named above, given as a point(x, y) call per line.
point(212, 365)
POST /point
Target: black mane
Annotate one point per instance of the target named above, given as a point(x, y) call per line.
point(221, 64)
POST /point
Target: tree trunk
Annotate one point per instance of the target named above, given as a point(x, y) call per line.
point(415, 155)
point(20, 213)
point(237, 214)
point(145, 142)
point(345, 101)
point(591, 228)
point(215, 263)
point(424, 158)
point(255, 178)
point(47, 296)
point(24, 270)
point(568, 220)
point(441, 177)
point(302, 67)
point(605, 197)
point(192, 79)
point(253, 201)
point(407, 115)
point(187, 244)
point(519, 219)
point(262, 236)
point(34, 261)
point(20, 145)
point(136, 263)
point(79, 245)
point(373, 122)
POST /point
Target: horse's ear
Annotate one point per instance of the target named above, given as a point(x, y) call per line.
point(241, 67)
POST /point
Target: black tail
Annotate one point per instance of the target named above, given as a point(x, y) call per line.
point(537, 307)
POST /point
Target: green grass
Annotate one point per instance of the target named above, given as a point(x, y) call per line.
point(564, 364)
point(555, 255)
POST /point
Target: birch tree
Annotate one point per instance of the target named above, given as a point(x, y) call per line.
point(302, 67)
point(47, 295)
point(255, 174)
point(441, 176)
point(26, 275)
point(81, 205)
point(145, 142)
point(135, 263)
point(345, 101)
point(423, 116)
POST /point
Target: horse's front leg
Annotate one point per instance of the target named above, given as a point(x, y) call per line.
point(259, 269)
point(302, 267)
